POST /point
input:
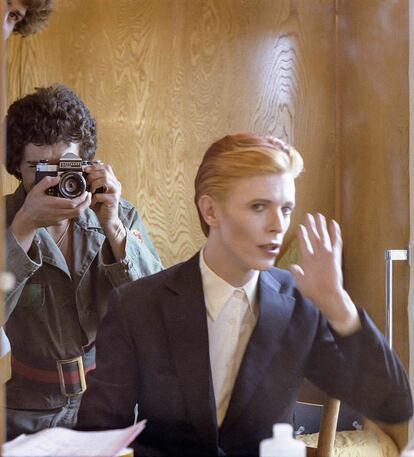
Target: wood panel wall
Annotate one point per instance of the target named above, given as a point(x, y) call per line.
point(165, 78)
point(373, 143)
point(373, 140)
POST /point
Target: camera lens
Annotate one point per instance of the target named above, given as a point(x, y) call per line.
point(72, 184)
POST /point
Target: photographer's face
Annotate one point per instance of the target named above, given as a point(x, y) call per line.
point(33, 153)
point(14, 12)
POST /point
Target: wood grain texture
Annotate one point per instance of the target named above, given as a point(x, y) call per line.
point(374, 153)
point(166, 78)
point(374, 115)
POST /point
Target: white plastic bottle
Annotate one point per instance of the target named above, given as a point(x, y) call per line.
point(282, 444)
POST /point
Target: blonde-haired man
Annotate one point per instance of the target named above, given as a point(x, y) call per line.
point(214, 350)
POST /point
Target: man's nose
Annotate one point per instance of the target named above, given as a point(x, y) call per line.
point(277, 222)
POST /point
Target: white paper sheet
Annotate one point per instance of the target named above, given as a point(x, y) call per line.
point(63, 442)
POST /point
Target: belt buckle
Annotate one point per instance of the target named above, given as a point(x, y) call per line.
point(80, 369)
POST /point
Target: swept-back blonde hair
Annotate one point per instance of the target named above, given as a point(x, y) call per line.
point(239, 156)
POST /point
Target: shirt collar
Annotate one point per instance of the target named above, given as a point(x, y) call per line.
point(217, 291)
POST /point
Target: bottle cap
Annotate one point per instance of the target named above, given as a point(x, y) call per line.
point(283, 431)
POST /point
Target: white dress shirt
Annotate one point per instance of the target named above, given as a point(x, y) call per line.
point(231, 317)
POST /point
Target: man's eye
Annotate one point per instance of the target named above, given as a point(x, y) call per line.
point(287, 211)
point(258, 207)
point(13, 17)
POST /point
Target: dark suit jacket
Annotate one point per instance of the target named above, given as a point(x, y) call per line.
point(152, 349)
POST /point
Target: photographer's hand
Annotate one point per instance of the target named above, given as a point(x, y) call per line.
point(106, 205)
point(42, 210)
point(320, 280)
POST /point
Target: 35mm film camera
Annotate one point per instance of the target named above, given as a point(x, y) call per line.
point(72, 176)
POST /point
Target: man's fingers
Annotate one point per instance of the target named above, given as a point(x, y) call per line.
point(74, 209)
point(313, 234)
point(85, 203)
point(109, 185)
point(107, 199)
point(100, 171)
point(297, 273)
point(62, 208)
point(336, 237)
point(99, 167)
point(103, 177)
point(322, 229)
point(66, 203)
point(305, 245)
point(94, 173)
point(75, 202)
point(45, 183)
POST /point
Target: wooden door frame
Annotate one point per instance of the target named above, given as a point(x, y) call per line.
point(3, 98)
point(411, 199)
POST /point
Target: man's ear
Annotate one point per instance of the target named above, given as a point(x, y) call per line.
point(209, 209)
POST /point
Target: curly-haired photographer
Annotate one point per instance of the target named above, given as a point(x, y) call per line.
point(67, 246)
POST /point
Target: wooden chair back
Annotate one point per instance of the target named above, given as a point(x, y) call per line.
point(310, 394)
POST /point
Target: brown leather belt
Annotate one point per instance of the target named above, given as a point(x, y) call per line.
point(69, 373)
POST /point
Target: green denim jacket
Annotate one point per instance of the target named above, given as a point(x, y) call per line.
point(53, 315)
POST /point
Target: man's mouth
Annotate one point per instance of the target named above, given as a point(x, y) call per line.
point(271, 248)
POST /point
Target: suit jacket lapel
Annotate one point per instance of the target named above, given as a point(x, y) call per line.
point(275, 311)
point(186, 323)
